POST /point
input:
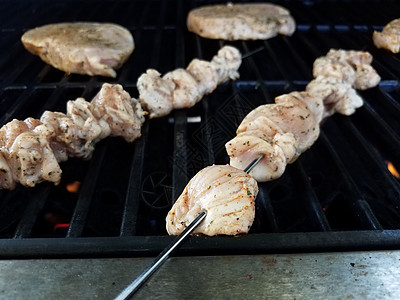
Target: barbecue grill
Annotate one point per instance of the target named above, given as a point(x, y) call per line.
point(343, 194)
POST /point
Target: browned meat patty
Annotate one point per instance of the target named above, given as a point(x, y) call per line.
point(241, 21)
point(82, 48)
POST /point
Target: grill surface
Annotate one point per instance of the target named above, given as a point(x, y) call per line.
point(339, 195)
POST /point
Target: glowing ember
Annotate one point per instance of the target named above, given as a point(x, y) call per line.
point(393, 170)
point(60, 226)
point(73, 187)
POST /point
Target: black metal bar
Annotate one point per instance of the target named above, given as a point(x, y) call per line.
point(131, 206)
point(365, 217)
point(265, 215)
point(86, 195)
point(32, 211)
point(303, 242)
point(307, 196)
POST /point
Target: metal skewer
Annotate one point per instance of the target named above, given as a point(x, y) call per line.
point(163, 256)
point(253, 164)
point(160, 259)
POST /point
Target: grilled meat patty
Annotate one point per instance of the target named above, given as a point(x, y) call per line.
point(82, 47)
point(241, 21)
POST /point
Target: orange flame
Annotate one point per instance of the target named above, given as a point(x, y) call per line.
point(392, 170)
point(73, 187)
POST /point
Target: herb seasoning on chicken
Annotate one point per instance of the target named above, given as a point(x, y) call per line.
point(226, 193)
point(30, 150)
point(183, 88)
point(283, 130)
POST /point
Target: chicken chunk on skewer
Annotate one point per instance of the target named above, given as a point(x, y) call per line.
point(186, 92)
point(182, 88)
point(351, 66)
point(226, 193)
point(280, 132)
point(155, 93)
point(117, 113)
point(30, 150)
point(26, 151)
point(338, 96)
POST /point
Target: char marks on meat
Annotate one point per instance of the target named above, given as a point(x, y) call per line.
point(81, 47)
point(226, 193)
point(250, 21)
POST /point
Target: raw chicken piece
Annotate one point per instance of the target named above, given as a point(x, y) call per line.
point(155, 93)
point(226, 193)
point(31, 149)
point(353, 57)
point(324, 66)
point(82, 47)
point(280, 132)
point(68, 139)
point(184, 88)
point(186, 92)
point(111, 112)
point(249, 21)
point(205, 74)
point(289, 114)
point(117, 113)
point(353, 67)
point(366, 77)
point(6, 180)
point(26, 151)
point(337, 96)
point(243, 149)
point(389, 38)
point(227, 62)
point(89, 129)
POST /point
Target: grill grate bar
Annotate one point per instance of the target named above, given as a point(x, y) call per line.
point(32, 211)
point(312, 205)
point(179, 171)
point(374, 163)
point(131, 206)
point(86, 195)
point(352, 192)
point(265, 211)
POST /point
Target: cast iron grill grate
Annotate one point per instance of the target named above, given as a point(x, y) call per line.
point(339, 195)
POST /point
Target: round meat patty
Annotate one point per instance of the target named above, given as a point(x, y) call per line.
point(241, 21)
point(82, 47)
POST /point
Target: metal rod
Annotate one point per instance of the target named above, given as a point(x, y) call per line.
point(163, 256)
point(160, 259)
point(253, 164)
